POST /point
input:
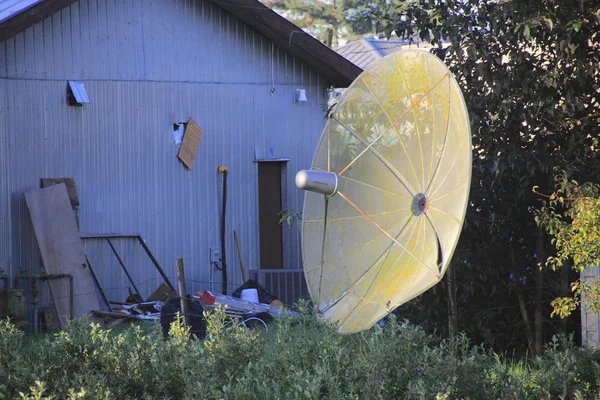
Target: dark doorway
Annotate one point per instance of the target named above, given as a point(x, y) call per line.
point(269, 207)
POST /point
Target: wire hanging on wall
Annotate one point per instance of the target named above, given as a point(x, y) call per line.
point(272, 91)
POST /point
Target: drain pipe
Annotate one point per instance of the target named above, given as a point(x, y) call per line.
point(223, 170)
point(35, 291)
point(6, 280)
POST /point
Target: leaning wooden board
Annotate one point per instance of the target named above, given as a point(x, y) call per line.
point(190, 142)
point(61, 248)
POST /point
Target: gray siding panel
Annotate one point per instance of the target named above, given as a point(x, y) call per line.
point(186, 41)
point(5, 173)
point(119, 149)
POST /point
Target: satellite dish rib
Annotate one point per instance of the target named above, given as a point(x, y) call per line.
point(387, 191)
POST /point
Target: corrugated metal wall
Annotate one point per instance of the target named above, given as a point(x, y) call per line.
point(147, 65)
point(590, 321)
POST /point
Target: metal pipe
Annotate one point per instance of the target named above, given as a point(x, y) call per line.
point(223, 170)
point(142, 243)
point(98, 284)
point(34, 295)
point(35, 291)
point(124, 268)
point(6, 280)
point(156, 264)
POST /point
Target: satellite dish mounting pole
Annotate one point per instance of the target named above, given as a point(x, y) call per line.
point(317, 181)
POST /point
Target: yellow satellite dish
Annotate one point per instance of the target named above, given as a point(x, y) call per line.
point(387, 191)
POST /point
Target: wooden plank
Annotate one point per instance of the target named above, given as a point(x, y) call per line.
point(183, 293)
point(162, 293)
point(50, 321)
point(189, 144)
point(61, 248)
point(112, 314)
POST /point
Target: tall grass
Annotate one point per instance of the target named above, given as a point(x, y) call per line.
point(306, 359)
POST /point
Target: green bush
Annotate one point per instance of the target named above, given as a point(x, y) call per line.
point(304, 359)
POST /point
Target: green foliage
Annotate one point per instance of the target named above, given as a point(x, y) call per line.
point(290, 217)
point(566, 371)
point(230, 346)
point(340, 19)
point(304, 359)
point(571, 216)
point(530, 78)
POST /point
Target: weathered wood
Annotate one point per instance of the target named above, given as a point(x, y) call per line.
point(49, 319)
point(239, 250)
point(61, 249)
point(183, 293)
point(162, 293)
point(189, 144)
point(113, 314)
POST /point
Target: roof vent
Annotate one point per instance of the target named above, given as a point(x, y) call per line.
point(76, 94)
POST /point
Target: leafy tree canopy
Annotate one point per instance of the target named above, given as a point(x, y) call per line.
point(572, 217)
point(529, 72)
point(328, 20)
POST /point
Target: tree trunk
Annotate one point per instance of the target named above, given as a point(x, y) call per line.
point(334, 38)
point(539, 292)
point(452, 306)
point(329, 37)
point(523, 306)
point(525, 316)
point(564, 292)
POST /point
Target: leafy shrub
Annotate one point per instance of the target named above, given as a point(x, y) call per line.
point(566, 371)
point(304, 359)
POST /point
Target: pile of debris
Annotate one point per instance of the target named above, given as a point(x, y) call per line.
point(164, 303)
point(237, 307)
point(74, 285)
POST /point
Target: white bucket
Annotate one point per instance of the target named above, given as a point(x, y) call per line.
point(250, 295)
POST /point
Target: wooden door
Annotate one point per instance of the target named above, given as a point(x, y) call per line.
point(269, 207)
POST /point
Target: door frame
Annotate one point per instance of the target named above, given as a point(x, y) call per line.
point(285, 230)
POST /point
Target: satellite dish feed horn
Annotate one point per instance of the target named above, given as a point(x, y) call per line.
point(317, 181)
point(387, 191)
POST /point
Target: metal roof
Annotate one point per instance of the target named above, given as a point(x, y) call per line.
point(289, 37)
point(276, 28)
point(10, 8)
point(385, 47)
point(365, 51)
point(360, 52)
